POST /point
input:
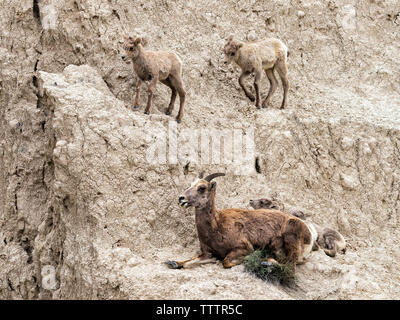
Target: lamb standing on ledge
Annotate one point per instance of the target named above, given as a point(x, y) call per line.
point(258, 56)
point(154, 66)
point(232, 234)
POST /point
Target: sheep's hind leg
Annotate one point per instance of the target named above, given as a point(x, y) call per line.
point(282, 71)
point(168, 83)
point(241, 83)
point(235, 257)
point(176, 81)
point(273, 84)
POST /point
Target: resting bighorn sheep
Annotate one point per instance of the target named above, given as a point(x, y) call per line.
point(331, 241)
point(231, 234)
point(154, 66)
point(258, 56)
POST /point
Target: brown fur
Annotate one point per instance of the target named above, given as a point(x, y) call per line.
point(255, 57)
point(154, 66)
point(331, 241)
point(231, 234)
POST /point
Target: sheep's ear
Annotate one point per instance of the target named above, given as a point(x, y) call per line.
point(213, 185)
point(230, 38)
point(239, 45)
point(137, 40)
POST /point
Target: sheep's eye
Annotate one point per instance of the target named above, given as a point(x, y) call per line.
point(232, 54)
point(131, 49)
point(202, 189)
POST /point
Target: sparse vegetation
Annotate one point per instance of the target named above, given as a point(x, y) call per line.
point(275, 273)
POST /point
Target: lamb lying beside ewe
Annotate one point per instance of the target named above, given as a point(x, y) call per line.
point(331, 241)
point(232, 234)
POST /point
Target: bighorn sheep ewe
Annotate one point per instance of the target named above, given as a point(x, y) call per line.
point(232, 234)
point(331, 241)
point(154, 66)
point(258, 56)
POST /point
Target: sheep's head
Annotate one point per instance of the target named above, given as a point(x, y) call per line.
point(264, 204)
point(299, 214)
point(231, 48)
point(199, 193)
point(131, 47)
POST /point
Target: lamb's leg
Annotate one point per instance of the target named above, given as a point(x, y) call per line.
point(241, 83)
point(273, 84)
point(282, 71)
point(196, 260)
point(138, 85)
point(177, 83)
point(152, 87)
point(257, 84)
point(168, 83)
point(235, 257)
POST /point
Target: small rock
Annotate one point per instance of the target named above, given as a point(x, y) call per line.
point(348, 182)
point(300, 14)
point(14, 124)
point(252, 35)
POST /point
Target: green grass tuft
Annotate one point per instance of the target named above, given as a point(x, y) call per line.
point(282, 274)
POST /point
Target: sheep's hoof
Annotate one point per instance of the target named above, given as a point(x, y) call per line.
point(178, 121)
point(146, 112)
point(173, 264)
point(264, 106)
point(167, 113)
point(258, 107)
point(136, 107)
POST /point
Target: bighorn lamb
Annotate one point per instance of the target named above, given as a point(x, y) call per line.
point(231, 234)
point(258, 56)
point(154, 66)
point(331, 241)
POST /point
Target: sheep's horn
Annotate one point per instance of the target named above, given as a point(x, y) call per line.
point(213, 175)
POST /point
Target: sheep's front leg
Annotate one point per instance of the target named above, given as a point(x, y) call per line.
point(235, 257)
point(241, 83)
point(196, 260)
point(152, 87)
point(138, 85)
point(257, 84)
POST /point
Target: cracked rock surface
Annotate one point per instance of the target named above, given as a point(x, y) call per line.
point(79, 193)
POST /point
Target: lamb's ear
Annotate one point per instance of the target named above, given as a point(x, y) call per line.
point(239, 45)
point(137, 41)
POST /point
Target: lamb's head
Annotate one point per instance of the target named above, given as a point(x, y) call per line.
point(231, 48)
point(298, 213)
point(264, 203)
point(200, 192)
point(131, 47)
